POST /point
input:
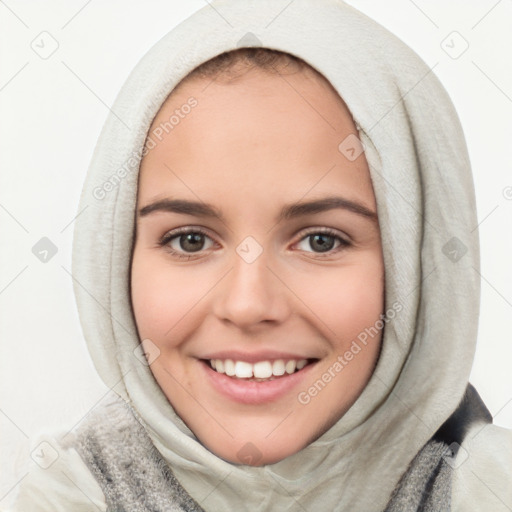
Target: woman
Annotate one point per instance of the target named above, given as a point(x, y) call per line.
point(197, 273)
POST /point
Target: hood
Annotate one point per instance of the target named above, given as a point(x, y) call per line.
point(424, 191)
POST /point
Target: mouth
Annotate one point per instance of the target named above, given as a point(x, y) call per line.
point(261, 371)
point(252, 383)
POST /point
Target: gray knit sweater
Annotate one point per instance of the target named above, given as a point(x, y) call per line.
point(135, 478)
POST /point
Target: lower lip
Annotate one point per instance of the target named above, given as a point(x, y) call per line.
point(253, 392)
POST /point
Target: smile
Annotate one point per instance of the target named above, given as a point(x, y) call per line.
point(259, 371)
point(251, 389)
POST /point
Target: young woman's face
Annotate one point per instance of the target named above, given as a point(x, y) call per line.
point(228, 265)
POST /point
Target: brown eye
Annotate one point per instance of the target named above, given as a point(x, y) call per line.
point(185, 242)
point(191, 242)
point(323, 242)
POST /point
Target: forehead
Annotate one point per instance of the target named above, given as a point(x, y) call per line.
point(270, 94)
point(266, 129)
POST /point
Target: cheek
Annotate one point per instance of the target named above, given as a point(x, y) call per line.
point(160, 296)
point(349, 299)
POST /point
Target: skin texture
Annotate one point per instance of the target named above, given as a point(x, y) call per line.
point(249, 147)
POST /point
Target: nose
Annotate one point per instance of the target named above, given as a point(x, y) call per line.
point(252, 294)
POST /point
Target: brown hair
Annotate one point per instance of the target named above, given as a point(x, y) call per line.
point(234, 63)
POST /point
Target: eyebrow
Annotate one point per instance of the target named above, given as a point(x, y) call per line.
point(289, 211)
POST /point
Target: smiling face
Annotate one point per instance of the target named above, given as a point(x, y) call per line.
point(225, 267)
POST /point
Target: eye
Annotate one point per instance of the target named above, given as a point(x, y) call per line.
point(322, 241)
point(184, 242)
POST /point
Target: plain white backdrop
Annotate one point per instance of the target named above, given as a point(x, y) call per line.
point(52, 108)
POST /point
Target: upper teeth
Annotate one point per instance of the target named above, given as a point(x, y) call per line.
point(260, 370)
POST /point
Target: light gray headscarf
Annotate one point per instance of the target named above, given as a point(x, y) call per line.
point(426, 206)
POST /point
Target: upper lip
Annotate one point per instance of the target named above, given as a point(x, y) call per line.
point(254, 357)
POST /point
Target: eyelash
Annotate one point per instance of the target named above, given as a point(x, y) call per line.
point(164, 242)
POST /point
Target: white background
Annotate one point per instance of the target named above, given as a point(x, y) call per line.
point(52, 111)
